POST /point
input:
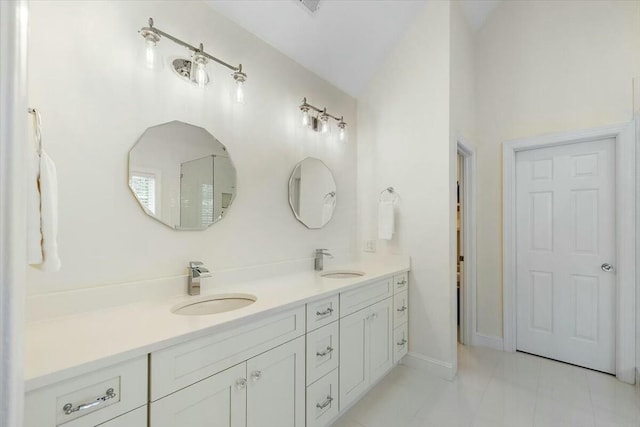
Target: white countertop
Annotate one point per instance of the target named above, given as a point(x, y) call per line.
point(60, 348)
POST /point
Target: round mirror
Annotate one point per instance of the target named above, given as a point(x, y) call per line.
point(312, 193)
point(182, 176)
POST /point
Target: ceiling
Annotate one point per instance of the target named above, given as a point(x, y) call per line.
point(344, 41)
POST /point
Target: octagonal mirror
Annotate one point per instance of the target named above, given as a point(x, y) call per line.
point(182, 176)
point(312, 193)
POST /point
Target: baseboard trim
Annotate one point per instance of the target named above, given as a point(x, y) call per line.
point(481, 340)
point(438, 367)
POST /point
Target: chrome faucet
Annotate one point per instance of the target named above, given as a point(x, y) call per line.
point(319, 260)
point(196, 271)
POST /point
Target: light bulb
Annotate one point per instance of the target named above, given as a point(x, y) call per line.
point(240, 91)
point(324, 128)
point(152, 58)
point(201, 74)
point(342, 134)
point(305, 117)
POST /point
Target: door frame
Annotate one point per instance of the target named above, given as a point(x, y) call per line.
point(624, 135)
point(13, 230)
point(469, 227)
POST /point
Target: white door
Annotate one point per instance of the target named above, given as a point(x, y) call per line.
point(565, 219)
point(218, 401)
point(276, 389)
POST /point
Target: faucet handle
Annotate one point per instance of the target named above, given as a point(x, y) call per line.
point(324, 252)
point(195, 264)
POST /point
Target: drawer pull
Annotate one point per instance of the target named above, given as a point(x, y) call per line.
point(404, 282)
point(256, 375)
point(241, 383)
point(327, 312)
point(325, 352)
point(69, 409)
point(403, 308)
point(325, 403)
point(401, 343)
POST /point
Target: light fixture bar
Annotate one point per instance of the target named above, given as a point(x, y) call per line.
point(307, 106)
point(144, 31)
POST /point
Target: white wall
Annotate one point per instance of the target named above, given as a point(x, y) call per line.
point(543, 67)
point(404, 142)
point(96, 101)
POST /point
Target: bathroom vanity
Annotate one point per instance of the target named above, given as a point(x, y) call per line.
point(303, 353)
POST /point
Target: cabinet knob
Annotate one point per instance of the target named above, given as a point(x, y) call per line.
point(241, 383)
point(256, 375)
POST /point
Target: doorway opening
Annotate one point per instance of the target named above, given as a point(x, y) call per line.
point(465, 243)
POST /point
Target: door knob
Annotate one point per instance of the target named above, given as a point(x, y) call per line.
point(606, 267)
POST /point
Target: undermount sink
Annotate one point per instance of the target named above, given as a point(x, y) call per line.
point(214, 304)
point(342, 274)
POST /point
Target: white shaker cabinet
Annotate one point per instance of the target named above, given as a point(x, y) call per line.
point(365, 349)
point(276, 387)
point(135, 418)
point(217, 401)
point(265, 391)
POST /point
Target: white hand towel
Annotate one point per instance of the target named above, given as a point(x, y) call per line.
point(34, 234)
point(48, 195)
point(386, 220)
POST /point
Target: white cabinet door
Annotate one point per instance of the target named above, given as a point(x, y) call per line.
point(217, 401)
point(380, 339)
point(276, 387)
point(135, 418)
point(354, 373)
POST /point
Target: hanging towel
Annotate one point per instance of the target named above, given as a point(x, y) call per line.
point(43, 217)
point(34, 235)
point(386, 220)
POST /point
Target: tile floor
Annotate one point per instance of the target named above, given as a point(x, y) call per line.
point(494, 389)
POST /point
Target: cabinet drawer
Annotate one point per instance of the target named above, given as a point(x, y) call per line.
point(400, 308)
point(89, 399)
point(135, 418)
point(322, 351)
point(365, 296)
point(176, 367)
point(400, 342)
point(323, 312)
point(322, 400)
point(400, 282)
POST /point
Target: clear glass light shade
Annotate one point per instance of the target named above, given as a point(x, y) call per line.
point(342, 133)
point(324, 125)
point(239, 91)
point(152, 59)
point(305, 117)
point(201, 73)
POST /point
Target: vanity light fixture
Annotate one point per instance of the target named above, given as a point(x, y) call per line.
point(193, 70)
point(320, 123)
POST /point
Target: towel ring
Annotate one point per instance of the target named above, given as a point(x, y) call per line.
point(38, 129)
point(391, 191)
point(331, 194)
